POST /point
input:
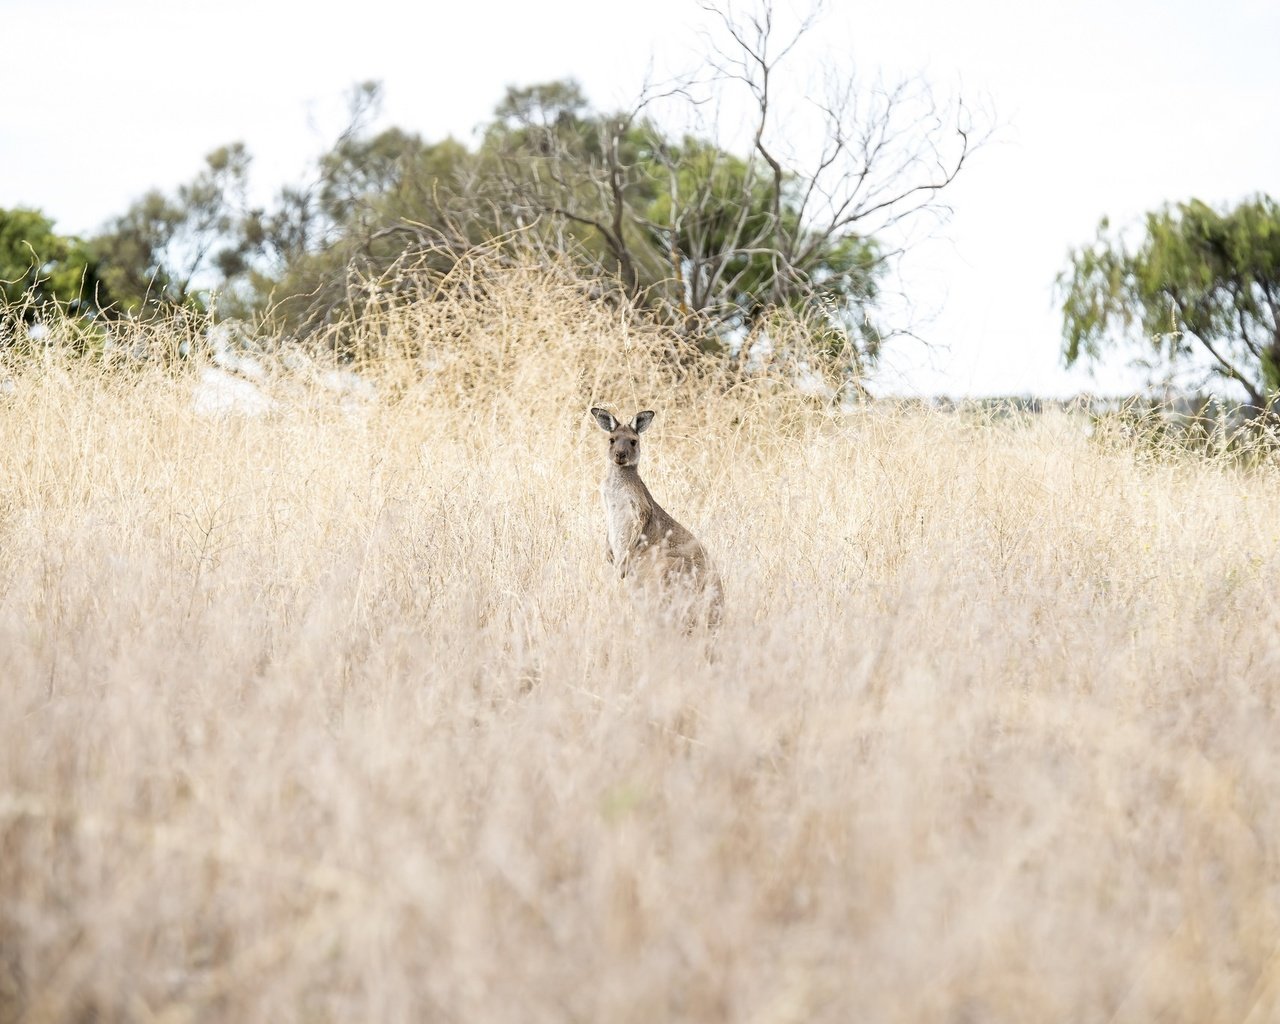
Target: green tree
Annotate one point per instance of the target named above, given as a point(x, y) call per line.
point(702, 238)
point(377, 202)
point(716, 218)
point(39, 267)
point(536, 110)
point(175, 249)
point(711, 239)
point(573, 180)
point(705, 238)
point(1200, 285)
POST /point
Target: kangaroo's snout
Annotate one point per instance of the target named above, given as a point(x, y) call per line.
point(625, 451)
point(624, 447)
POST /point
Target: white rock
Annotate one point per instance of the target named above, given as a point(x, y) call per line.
point(220, 394)
point(344, 382)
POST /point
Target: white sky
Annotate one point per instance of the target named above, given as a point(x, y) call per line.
point(1104, 106)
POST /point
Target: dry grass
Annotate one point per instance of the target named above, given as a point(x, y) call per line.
point(323, 715)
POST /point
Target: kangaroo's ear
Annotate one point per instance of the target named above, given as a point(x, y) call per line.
point(605, 418)
point(642, 420)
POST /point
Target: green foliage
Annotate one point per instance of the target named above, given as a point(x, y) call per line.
point(687, 228)
point(548, 106)
point(1201, 282)
point(703, 239)
point(160, 249)
point(714, 206)
point(39, 267)
point(733, 255)
point(698, 235)
point(378, 202)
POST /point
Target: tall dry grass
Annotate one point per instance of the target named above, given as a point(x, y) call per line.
point(336, 713)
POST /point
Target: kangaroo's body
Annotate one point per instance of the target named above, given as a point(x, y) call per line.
point(643, 541)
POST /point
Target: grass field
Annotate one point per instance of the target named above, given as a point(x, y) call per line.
point(335, 713)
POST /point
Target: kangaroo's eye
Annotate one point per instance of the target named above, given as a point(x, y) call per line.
point(633, 443)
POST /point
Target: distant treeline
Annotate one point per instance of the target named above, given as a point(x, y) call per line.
point(641, 202)
point(709, 241)
point(797, 221)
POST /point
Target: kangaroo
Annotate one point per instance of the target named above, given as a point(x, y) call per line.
point(642, 539)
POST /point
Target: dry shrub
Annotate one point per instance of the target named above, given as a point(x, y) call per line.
point(336, 712)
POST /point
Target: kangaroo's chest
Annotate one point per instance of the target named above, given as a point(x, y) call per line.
point(624, 514)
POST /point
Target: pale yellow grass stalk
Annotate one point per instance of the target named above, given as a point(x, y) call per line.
point(338, 713)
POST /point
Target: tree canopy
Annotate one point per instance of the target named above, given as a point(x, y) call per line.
point(1201, 285)
point(39, 266)
point(706, 238)
point(158, 250)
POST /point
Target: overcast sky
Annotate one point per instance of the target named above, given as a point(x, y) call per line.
point(1104, 107)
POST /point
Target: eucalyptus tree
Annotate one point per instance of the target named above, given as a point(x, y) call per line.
point(1197, 285)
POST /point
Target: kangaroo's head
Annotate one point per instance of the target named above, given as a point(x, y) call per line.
point(624, 441)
